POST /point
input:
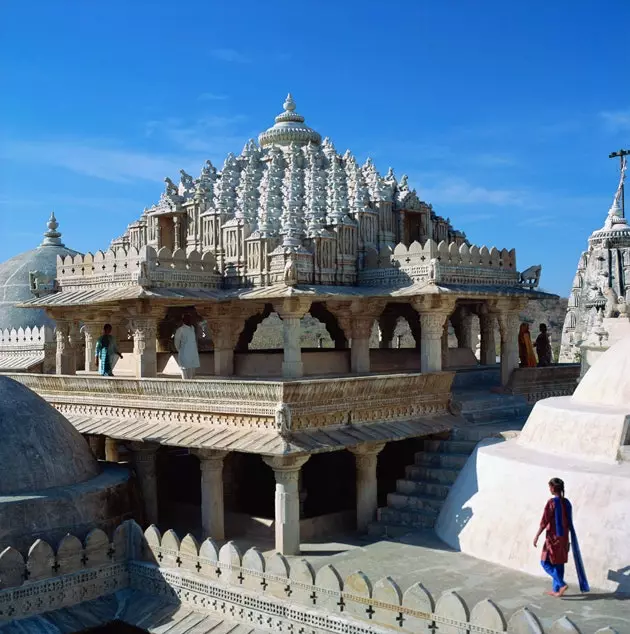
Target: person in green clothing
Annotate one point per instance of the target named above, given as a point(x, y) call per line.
point(107, 353)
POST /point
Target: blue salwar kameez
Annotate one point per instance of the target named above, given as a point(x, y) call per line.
point(105, 350)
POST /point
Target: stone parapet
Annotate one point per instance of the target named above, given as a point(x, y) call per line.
point(253, 589)
point(538, 383)
point(143, 267)
point(281, 406)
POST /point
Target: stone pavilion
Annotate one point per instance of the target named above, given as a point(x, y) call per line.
point(289, 226)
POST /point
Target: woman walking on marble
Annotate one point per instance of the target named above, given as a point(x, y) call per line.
point(525, 349)
point(557, 520)
point(543, 347)
point(186, 346)
point(106, 353)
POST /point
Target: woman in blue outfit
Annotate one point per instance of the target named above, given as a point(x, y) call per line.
point(557, 521)
point(107, 352)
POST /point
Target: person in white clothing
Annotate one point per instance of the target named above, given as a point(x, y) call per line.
point(186, 346)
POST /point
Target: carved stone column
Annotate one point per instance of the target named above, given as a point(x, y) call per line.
point(286, 470)
point(144, 461)
point(444, 343)
point(144, 346)
point(360, 348)
point(488, 349)
point(212, 507)
point(509, 323)
point(433, 311)
point(366, 457)
point(65, 361)
point(224, 335)
point(291, 310)
point(91, 332)
point(111, 450)
point(177, 238)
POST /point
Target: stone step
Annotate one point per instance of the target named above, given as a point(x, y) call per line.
point(424, 503)
point(446, 460)
point(394, 531)
point(450, 446)
point(434, 475)
point(411, 487)
point(475, 433)
point(503, 414)
point(408, 518)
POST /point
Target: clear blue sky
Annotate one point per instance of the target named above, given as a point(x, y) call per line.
point(502, 113)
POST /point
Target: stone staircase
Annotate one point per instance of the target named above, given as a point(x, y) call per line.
point(419, 496)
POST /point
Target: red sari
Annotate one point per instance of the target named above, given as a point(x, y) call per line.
point(556, 547)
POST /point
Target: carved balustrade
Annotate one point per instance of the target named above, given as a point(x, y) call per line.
point(248, 588)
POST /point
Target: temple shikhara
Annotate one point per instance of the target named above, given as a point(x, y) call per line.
point(348, 431)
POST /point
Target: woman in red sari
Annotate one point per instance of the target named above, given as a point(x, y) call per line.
point(525, 348)
point(557, 520)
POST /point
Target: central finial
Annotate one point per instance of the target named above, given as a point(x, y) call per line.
point(52, 237)
point(289, 104)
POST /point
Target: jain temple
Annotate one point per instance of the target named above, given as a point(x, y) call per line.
point(144, 502)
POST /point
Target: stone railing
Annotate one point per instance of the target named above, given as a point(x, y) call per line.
point(251, 588)
point(538, 383)
point(35, 338)
point(144, 267)
point(282, 405)
point(443, 262)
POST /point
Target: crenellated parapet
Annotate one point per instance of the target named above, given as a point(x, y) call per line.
point(26, 338)
point(440, 262)
point(251, 587)
point(144, 267)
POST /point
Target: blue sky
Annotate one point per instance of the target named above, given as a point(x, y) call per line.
point(502, 113)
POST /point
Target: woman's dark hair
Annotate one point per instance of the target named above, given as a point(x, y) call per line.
point(187, 319)
point(107, 328)
point(557, 486)
point(543, 327)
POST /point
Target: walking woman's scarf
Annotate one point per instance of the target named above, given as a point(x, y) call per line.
point(577, 557)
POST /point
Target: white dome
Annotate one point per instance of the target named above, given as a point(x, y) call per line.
point(607, 382)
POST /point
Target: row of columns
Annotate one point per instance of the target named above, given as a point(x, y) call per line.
point(287, 492)
point(356, 318)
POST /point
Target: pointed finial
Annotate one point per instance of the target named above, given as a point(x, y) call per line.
point(52, 237)
point(289, 104)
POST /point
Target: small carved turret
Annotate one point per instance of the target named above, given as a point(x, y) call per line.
point(52, 237)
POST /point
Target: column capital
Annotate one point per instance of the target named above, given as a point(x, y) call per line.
point(144, 448)
point(506, 304)
point(210, 458)
point(432, 324)
point(292, 307)
point(434, 303)
point(288, 465)
point(368, 449)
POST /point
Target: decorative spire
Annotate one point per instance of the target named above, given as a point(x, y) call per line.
point(52, 237)
point(615, 217)
point(289, 128)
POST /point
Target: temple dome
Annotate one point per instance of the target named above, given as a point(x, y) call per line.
point(14, 279)
point(607, 382)
point(40, 449)
point(289, 128)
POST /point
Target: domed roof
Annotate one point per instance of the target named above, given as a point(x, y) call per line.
point(39, 448)
point(607, 381)
point(14, 279)
point(289, 128)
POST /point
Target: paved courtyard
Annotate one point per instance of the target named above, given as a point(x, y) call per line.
point(422, 557)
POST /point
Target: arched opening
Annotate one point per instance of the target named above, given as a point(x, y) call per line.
point(260, 347)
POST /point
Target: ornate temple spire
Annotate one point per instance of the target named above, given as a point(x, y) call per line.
point(293, 194)
point(315, 191)
point(247, 191)
point(289, 128)
point(271, 194)
point(615, 213)
point(52, 237)
point(225, 189)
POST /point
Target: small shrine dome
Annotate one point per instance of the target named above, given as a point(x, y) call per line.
point(15, 284)
point(40, 448)
point(607, 381)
